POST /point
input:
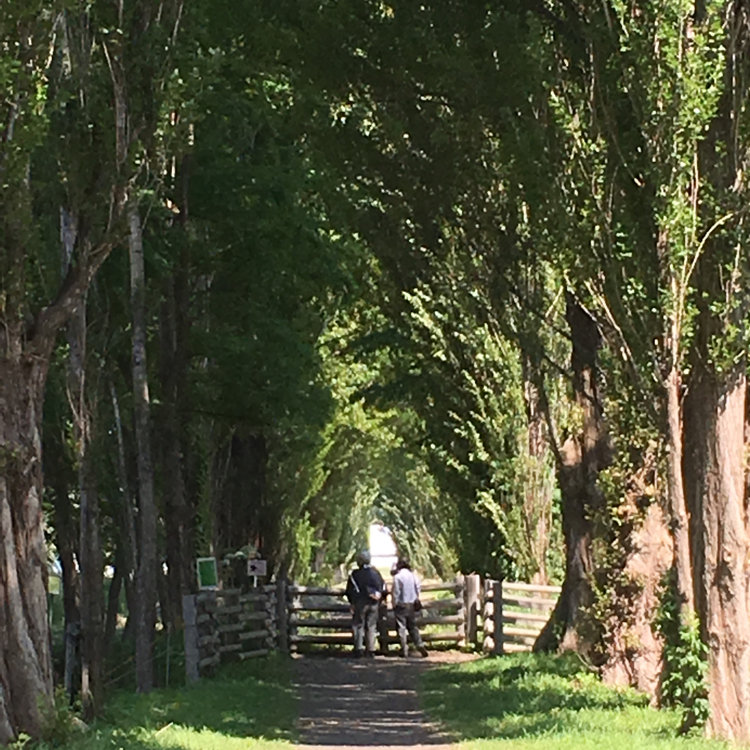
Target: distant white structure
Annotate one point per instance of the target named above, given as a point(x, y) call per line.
point(382, 547)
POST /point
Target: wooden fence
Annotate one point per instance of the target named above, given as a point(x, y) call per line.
point(321, 616)
point(240, 624)
point(523, 611)
point(228, 623)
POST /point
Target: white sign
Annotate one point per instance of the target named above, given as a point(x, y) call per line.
point(256, 567)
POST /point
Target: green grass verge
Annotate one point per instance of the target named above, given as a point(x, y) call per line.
point(250, 705)
point(535, 702)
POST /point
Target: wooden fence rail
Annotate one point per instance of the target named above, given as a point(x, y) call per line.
point(514, 614)
point(313, 612)
point(241, 624)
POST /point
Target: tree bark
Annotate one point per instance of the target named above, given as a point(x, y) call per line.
point(113, 607)
point(147, 559)
point(715, 434)
point(679, 524)
point(127, 545)
point(173, 358)
point(579, 461)
point(89, 547)
point(25, 666)
point(91, 563)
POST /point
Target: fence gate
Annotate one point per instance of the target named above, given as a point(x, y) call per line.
point(320, 615)
point(497, 617)
point(514, 614)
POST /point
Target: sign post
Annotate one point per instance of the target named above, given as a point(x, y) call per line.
point(256, 569)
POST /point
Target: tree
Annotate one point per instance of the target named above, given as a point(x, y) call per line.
point(29, 327)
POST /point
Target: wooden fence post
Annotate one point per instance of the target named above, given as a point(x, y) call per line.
point(461, 627)
point(497, 619)
point(282, 615)
point(192, 655)
point(471, 608)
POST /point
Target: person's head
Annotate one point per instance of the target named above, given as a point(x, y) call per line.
point(363, 557)
point(402, 563)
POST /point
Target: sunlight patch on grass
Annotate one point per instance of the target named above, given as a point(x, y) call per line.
point(249, 705)
point(189, 738)
point(530, 702)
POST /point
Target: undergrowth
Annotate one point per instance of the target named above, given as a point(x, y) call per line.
point(684, 685)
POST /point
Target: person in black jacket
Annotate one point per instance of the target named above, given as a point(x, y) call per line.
point(364, 590)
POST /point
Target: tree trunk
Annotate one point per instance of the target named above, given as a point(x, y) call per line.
point(25, 669)
point(58, 478)
point(26, 343)
point(173, 366)
point(126, 543)
point(718, 389)
point(579, 461)
point(90, 560)
point(715, 434)
point(676, 489)
point(147, 559)
point(113, 607)
point(89, 547)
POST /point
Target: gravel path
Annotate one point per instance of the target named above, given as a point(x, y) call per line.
point(361, 703)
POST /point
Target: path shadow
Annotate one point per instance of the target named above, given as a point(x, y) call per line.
point(360, 702)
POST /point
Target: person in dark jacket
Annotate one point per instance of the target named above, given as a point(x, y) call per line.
point(365, 589)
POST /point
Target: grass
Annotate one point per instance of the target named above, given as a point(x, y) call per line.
point(250, 705)
point(537, 702)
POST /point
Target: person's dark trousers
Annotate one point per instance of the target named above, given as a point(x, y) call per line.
point(383, 627)
point(365, 626)
point(406, 624)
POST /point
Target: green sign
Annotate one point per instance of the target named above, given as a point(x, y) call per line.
point(208, 578)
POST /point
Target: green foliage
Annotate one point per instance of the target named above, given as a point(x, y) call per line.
point(527, 701)
point(684, 684)
point(60, 725)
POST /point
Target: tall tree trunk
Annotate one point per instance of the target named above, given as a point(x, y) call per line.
point(71, 590)
point(127, 545)
point(113, 606)
point(173, 364)
point(58, 477)
point(89, 547)
point(25, 667)
point(718, 389)
point(715, 436)
point(26, 343)
point(147, 559)
point(579, 462)
point(90, 560)
point(676, 490)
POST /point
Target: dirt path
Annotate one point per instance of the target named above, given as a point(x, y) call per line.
point(360, 703)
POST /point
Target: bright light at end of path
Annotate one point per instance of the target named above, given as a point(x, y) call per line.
point(382, 547)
